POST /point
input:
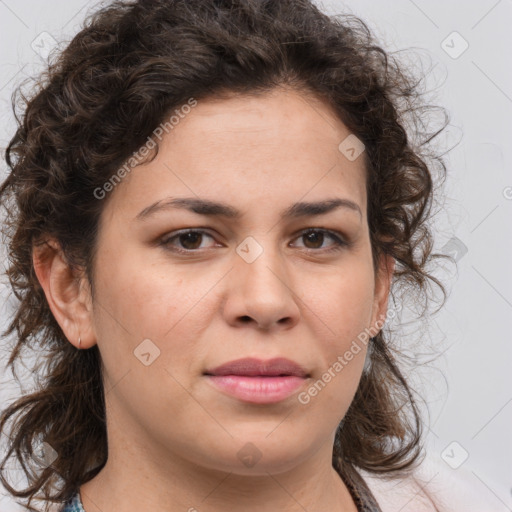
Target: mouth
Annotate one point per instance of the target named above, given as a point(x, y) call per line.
point(257, 381)
point(253, 367)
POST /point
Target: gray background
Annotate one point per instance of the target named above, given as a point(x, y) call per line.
point(468, 388)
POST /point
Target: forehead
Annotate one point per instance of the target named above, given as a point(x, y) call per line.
point(275, 148)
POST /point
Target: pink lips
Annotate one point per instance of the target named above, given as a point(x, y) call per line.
point(257, 381)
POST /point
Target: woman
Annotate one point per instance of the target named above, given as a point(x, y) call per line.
point(209, 205)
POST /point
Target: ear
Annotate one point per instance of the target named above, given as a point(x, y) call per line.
point(383, 280)
point(68, 294)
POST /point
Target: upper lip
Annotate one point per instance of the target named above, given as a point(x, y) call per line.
point(253, 367)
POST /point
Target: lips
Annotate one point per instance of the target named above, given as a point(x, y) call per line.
point(253, 367)
point(256, 381)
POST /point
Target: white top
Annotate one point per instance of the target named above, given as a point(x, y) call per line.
point(451, 490)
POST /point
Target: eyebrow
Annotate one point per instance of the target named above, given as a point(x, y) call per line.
point(216, 209)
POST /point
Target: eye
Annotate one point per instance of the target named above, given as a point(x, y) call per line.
point(315, 237)
point(189, 239)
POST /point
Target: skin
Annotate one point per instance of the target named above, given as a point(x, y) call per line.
point(173, 438)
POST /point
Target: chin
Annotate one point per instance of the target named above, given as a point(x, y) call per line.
point(255, 456)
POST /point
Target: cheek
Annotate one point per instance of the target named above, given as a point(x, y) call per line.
point(341, 311)
point(139, 301)
point(136, 303)
point(145, 299)
point(341, 314)
point(342, 302)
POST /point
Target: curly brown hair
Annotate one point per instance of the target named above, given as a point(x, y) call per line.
point(98, 101)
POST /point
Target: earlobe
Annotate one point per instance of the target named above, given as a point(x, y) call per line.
point(64, 292)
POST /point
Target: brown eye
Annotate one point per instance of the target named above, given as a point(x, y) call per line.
point(191, 240)
point(186, 241)
point(315, 238)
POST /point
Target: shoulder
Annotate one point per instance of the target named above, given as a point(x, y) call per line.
point(72, 505)
point(404, 494)
point(56, 507)
point(432, 487)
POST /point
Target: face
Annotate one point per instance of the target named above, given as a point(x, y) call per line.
point(247, 281)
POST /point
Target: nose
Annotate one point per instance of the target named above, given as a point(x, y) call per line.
point(260, 293)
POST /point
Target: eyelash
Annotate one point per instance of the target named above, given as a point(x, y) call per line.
point(339, 242)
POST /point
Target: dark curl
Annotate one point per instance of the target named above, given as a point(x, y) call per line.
point(131, 65)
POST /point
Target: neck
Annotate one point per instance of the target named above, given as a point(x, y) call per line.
point(132, 486)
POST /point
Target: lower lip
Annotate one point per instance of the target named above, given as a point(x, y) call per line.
point(258, 390)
